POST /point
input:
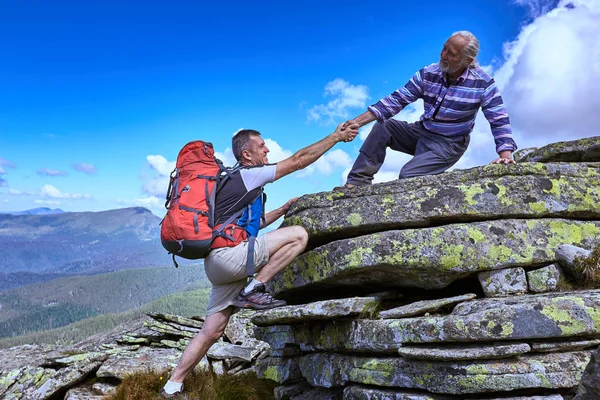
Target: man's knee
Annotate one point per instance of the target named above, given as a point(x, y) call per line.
point(212, 335)
point(299, 235)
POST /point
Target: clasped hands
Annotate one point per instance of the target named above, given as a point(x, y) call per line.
point(348, 130)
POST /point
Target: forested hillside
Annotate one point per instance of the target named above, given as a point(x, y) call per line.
point(59, 302)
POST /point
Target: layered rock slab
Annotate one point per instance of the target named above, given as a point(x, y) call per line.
point(481, 193)
point(432, 258)
point(546, 316)
point(548, 371)
point(587, 149)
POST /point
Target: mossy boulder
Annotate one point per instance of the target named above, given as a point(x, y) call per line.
point(587, 149)
point(540, 371)
point(432, 258)
point(543, 316)
point(483, 193)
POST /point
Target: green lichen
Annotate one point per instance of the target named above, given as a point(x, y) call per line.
point(354, 219)
point(471, 191)
point(538, 207)
point(272, 373)
point(565, 320)
point(452, 256)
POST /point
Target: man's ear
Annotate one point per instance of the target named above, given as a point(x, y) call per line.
point(246, 156)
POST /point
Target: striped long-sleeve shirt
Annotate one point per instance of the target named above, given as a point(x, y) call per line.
point(450, 109)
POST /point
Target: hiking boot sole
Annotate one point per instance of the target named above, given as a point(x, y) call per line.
point(254, 306)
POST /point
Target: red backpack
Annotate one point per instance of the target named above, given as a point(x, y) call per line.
point(188, 229)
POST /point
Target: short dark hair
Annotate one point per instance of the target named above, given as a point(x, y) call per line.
point(240, 141)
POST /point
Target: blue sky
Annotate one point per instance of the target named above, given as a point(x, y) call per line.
point(97, 98)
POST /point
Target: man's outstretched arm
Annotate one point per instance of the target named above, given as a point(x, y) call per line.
point(308, 155)
point(275, 214)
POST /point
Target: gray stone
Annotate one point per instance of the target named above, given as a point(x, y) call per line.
point(319, 310)
point(464, 352)
point(285, 392)
point(540, 371)
point(320, 393)
point(278, 337)
point(222, 351)
point(592, 153)
point(83, 393)
point(590, 381)
point(366, 393)
point(195, 322)
point(567, 256)
point(544, 279)
point(240, 328)
point(104, 388)
point(424, 306)
point(432, 258)
point(572, 345)
point(481, 193)
point(519, 154)
point(280, 370)
point(571, 151)
point(503, 282)
point(217, 367)
point(146, 358)
point(542, 316)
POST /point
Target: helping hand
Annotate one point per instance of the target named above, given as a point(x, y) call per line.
point(347, 131)
point(288, 204)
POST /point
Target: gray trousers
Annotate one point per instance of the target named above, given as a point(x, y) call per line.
point(433, 153)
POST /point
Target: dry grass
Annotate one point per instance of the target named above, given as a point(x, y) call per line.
point(199, 385)
point(589, 269)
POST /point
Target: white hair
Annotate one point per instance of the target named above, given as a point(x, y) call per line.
point(471, 49)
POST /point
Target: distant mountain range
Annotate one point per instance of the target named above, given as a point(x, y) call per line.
point(52, 242)
point(38, 211)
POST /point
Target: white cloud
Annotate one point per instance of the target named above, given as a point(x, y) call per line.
point(85, 168)
point(53, 192)
point(327, 163)
point(51, 172)
point(47, 202)
point(160, 164)
point(147, 202)
point(549, 80)
point(345, 97)
point(15, 192)
point(5, 163)
point(276, 152)
point(227, 157)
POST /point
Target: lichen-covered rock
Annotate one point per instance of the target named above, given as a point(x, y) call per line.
point(280, 370)
point(278, 336)
point(544, 279)
point(286, 392)
point(519, 154)
point(433, 258)
point(503, 282)
point(543, 316)
point(481, 193)
point(424, 306)
point(371, 393)
point(571, 151)
point(590, 382)
point(321, 394)
point(541, 371)
point(240, 328)
point(569, 345)
point(567, 256)
point(83, 393)
point(145, 359)
point(223, 351)
point(464, 352)
point(318, 310)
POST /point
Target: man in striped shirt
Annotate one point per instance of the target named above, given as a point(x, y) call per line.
point(453, 90)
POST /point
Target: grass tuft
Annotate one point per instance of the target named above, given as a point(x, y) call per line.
point(589, 269)
point(203, 385)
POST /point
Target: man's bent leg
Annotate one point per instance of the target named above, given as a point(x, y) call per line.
point(398, 135)
point(434, 155)
point(212, 329)
point(285, 244)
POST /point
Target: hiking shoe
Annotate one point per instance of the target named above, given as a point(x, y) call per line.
point(343, 187)
point(258, 299)
point(177, 395)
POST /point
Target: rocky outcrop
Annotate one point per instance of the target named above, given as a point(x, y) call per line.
point(476, 256)
point(36, 372)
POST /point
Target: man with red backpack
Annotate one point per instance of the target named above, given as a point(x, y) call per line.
point(226, 265)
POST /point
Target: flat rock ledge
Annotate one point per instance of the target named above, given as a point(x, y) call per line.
point(482, 193)
point(432, 258)
point(587, 149)
point(38, 372)
point(466, 352)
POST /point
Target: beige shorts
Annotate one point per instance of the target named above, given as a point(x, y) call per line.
point(226, 270)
